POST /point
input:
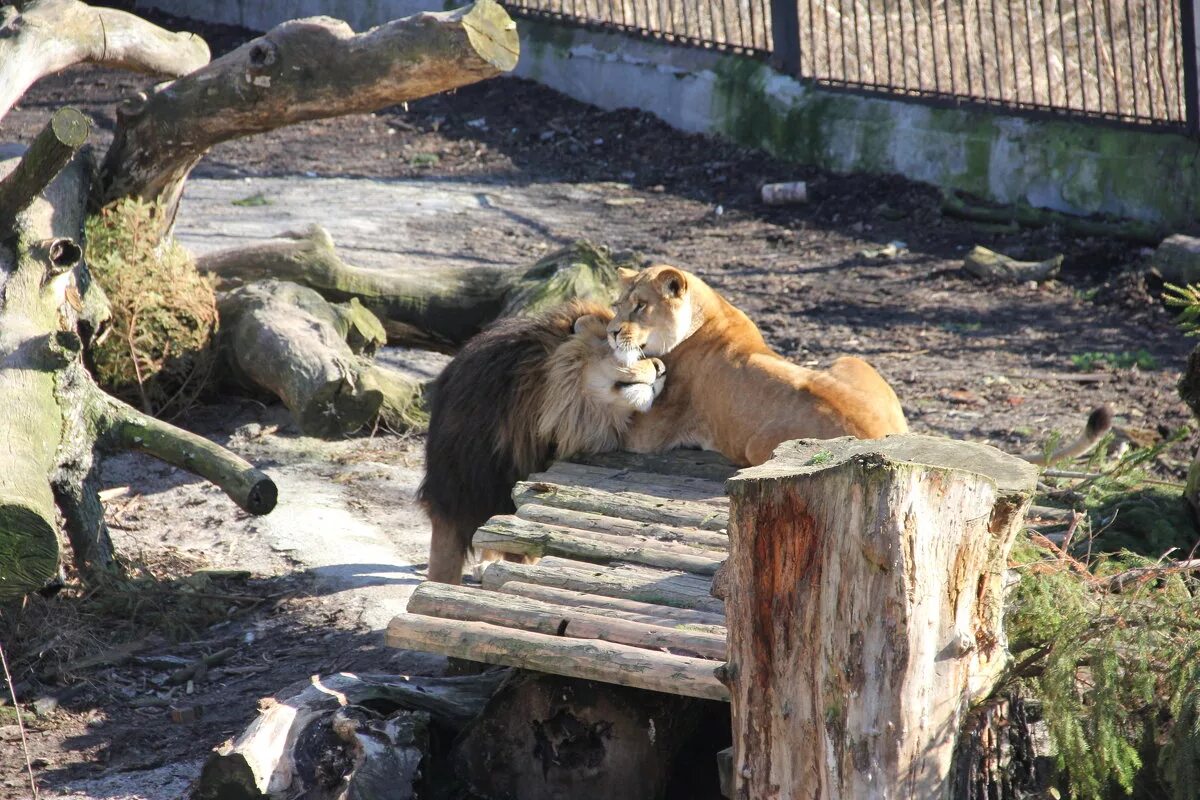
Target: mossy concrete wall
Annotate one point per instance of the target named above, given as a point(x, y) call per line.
point(1061, 165)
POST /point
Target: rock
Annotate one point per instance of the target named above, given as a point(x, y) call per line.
point(1177, 259)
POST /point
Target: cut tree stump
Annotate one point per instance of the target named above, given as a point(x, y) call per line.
point(544, 737)
point(367, 729)
point(865, 593)
point(288, 341)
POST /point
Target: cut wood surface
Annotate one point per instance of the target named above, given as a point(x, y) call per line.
point(865, 600)
point(514, 611)
point(626, 504)
point(620, 479)
point(618, 526)
point(665, 588)
point(621, 608)
point(559, 655)
point(695, 463)
point(511, 534)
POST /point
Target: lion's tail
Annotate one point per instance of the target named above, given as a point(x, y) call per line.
point(1098, 423)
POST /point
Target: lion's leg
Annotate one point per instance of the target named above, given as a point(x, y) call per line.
point(447, 551)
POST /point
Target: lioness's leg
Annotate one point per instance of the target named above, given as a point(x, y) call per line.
point(639, 383)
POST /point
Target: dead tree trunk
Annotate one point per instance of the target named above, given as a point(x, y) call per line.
point(865, 587)
point(58, 420)
point(437, 311)
point(299, 70)
point(315, 356)
point(41, 37)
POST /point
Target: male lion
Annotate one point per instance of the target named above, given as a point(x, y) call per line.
point(731, 393)
point(524, 391)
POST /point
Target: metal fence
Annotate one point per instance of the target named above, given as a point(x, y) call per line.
point(1127, 61)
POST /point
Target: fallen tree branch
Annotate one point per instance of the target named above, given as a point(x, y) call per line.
point(299, 70)
point(1115, 583)
point(989, 265)
point(41, 37)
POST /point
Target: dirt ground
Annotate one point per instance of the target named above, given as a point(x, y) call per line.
point(999, 364)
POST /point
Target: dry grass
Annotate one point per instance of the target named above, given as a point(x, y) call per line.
point(1117, 58)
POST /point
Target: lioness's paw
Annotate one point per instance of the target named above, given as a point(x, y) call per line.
point(639, 396)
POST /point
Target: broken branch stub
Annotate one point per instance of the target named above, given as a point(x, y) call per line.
point(299, 70)
point(48, 153)
point(988, 265)
point(42, 37)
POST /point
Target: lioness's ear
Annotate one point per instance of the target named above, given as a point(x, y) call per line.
point(671, 282)
point(626, 275)
point(591, 325)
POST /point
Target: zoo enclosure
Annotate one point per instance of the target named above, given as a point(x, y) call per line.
point(1125, 61)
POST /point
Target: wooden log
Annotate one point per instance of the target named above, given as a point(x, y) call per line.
point(511, 534)
point(42, 37)
point(630, 505)
point(618, 526)
point(558, 655)
point(276, 755)
point(618, 479)
point(665, 588)
point(290, 342)
point(988, 265)
point(514, 611)
point(434, 309)
point(621, 608)
point(865, 611)
point(696, 463)
point(299, 70)
point(545, 737)
point(48, 153)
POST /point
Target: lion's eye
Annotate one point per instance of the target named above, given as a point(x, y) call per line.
point(639, 308)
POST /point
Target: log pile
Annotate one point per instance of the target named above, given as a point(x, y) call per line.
point(622, 591)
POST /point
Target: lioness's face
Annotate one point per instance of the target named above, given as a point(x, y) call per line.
point(652, 315)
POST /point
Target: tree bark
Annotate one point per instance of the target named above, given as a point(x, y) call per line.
point(299, 70)
point(544, 737)
point(288, 341)
point(865, 593)
point(58, 421)
point(41, 37)
point(277, 755)
point(438, 311)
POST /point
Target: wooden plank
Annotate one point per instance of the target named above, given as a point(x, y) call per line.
point(617, 479)
point(665, 588)
point(590, 659)
point(630, 505)
point(511, 534)
point(633, 610)
point(619, 526)
point(514, 611)
point(696, 463)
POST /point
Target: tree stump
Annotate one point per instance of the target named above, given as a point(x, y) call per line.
point(545, 737)
point(865, 592)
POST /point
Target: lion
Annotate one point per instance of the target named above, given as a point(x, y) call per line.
point(731, 393)
point(522, 392)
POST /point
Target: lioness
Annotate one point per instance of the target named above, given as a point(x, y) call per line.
point(522, 392)
point(727, 390)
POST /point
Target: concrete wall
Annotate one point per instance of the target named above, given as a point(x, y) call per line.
point(1060, 165)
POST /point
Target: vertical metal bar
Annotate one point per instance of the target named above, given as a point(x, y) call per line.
point(1099, 66)
point(841, 17)
point(1029, 50)
point(1079, 56)
point(967, 50)
point(887, 38)
point(1046, 54)
point(933, 50)
point(999, 55)
point(1133, 81)
point(1062, 47)
point(917, 43)
point(753, 33)
point(857, 42)
point(950, 48)
point(982, 49)
point(828, 49)
point(1189, 18)
point(1149, 61)
point(903, 45)
point(785, 35)
point(1112, 45)
point(1012, 51)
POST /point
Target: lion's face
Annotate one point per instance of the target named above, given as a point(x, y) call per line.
point(652, 315)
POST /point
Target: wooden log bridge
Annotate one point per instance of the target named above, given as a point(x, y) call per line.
point(628, 546)
point(862, 613)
